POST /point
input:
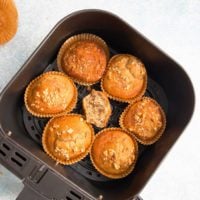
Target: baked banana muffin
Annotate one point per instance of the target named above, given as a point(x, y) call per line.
point(145, 119)
point(84, 58)
point(68, 138)
point(114, 153)
point(50, 94)
point(8, 20)
point(97, 108)
point(125, 79)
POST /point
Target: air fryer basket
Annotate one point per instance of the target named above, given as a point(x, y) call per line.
point(20, 132)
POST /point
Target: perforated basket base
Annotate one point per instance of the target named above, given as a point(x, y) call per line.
point(34, 125)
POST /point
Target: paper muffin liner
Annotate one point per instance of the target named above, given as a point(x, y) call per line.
point(129, 170)
point(69, 108)
point(81, 37)
point(131, 100)
point(140, 140)
point(9, 9)
point(70, 161)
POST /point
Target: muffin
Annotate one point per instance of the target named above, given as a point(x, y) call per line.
point(97, 108)
point(84, 58)
point(50, 94)
point(68, 138)
point(8, 20)
point(114, 153)
point(145, 119)
point(125, 79)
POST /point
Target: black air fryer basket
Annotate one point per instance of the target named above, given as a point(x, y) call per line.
point(20, 133)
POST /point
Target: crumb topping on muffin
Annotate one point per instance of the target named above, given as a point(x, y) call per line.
point(125, 78)
point(84, 58)
point(114, 152)
point(51, 93)
point(67, 137)
point(144, 118)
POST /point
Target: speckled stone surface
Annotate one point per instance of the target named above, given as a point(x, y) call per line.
point(10, 186)
point(174, 26)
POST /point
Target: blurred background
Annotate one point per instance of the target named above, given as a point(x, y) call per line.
point(174, 26)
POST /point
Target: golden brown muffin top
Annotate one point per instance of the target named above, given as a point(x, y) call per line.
point(97, 108)
point(145, 119)
point(125, 77)
point(114, 152)
point(8, 20)
point(84, 61)
point(68, 137)
point(50, 93)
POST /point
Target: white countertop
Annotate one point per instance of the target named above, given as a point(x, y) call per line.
point(174, 26)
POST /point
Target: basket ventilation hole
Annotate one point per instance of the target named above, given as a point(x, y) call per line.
point(6, 146)
point(20, 156)
point(38, 136)
point(16, 162)
point(68, 198)
point(90, 173)
point(2, 153)
point(73, 196)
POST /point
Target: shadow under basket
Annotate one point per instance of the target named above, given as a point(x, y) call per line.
point(20, 133)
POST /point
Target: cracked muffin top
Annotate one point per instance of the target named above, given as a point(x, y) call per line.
point(68, 138)
point(125, 79)
point(114, 152)
point(84, 58)
point(145, 119)
point(50, 94)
